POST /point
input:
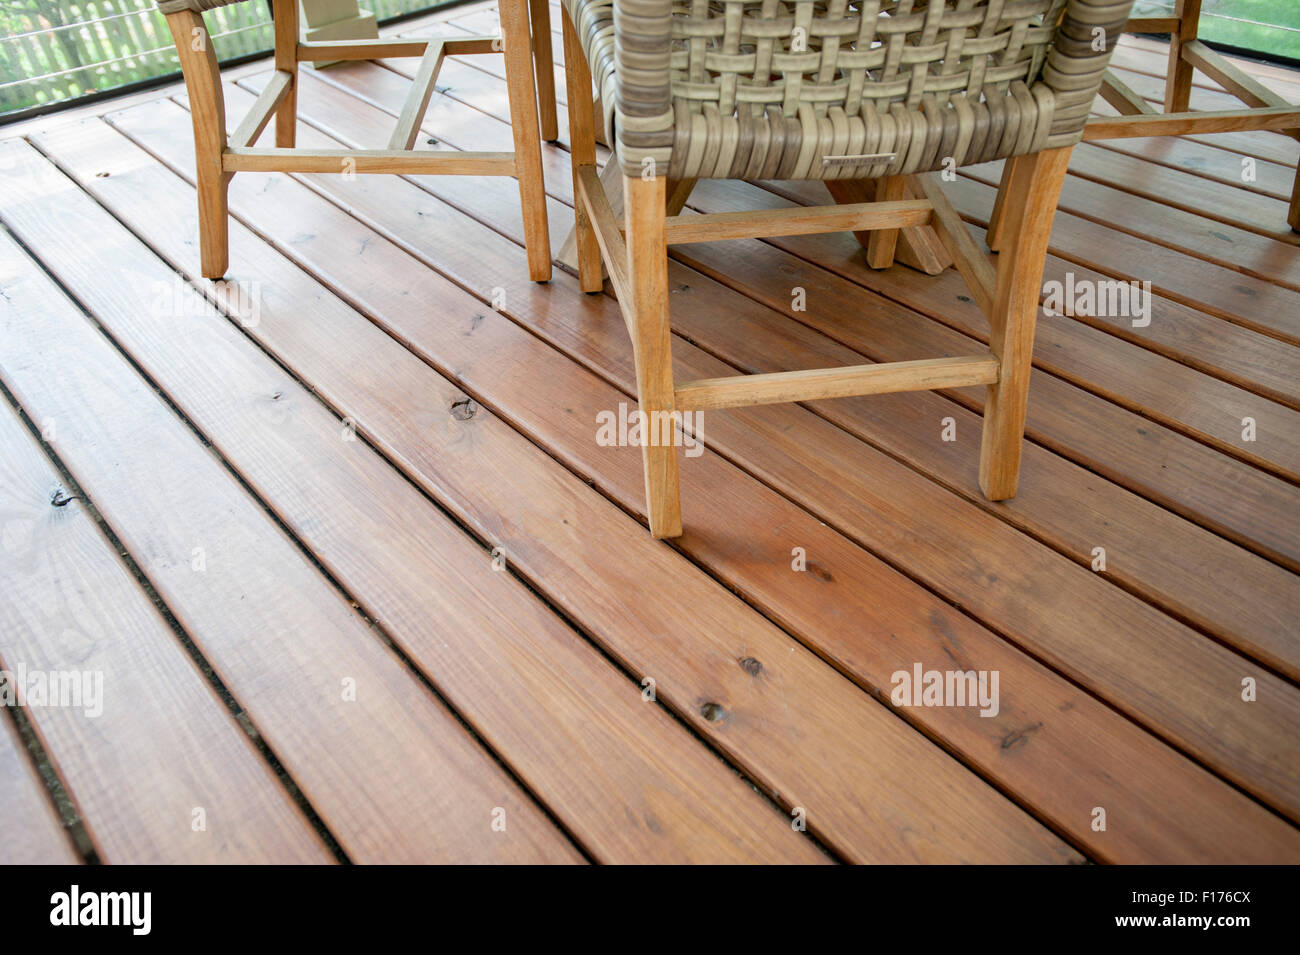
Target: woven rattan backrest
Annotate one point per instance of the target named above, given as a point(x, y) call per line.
point(687, 68)
point(832, 52)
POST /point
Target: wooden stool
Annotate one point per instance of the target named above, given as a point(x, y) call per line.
point(218, 156)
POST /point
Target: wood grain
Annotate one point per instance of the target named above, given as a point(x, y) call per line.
point(34, 833)
point(1218, 598)
point(279, 635)
point(786, 596)
point(829, 753)
point(629, 783)
point(162, 744)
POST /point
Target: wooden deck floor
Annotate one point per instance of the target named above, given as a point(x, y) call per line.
point(361, 583)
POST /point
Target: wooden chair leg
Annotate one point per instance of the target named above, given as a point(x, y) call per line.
point(993, 238)
point(647, 269)
point(539, 13)
point(214, 223)
point(917, 247)
point(1178, 85)
point(1293, 214)
point(208, 115)
point(286, 58)
point(582, 152)
point(881, 243)
point(528, 147)
point(1028, 210)
point(678, 191)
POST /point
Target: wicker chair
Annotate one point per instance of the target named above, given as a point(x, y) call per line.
point(218, 156)
point(846, 91)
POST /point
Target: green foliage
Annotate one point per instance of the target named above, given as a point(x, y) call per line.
point(53, 50)
point(1271, 27)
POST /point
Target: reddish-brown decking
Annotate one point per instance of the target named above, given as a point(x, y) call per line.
point(385, 597)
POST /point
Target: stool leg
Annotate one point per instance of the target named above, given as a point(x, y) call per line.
point(993, 238)
point(286, 59)
point(882, 242)
point(1030, 205)
point(1178, 85)
point(208, 114)
point(528, 147)
point(647, 269)
point(679, 191)
point(1293, 213)
point(539, 12)
point(582, 152)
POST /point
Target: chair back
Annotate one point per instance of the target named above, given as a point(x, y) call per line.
point(794, 82)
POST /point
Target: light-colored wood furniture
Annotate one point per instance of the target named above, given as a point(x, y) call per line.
point(220, 155)
point(1187, 53)
point(878, 96)
point(539, 16)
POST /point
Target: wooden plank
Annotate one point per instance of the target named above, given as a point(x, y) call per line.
point(1230, 602)
point(1208, 162)
point(1127, 382)
point(809, 737)
point(1068, 506)
point(576, 731)
point(259, 114)
point(417, 99)
point(1094, 432)
point(1185, 277)
point(923, 375)
point(1222, 201)
point(72, 608)
point(34, 833)
point(397, 162)
point(278, 635)
point(1269, 255)
point(1069, 753)
point(683, 229)
point(558, 186)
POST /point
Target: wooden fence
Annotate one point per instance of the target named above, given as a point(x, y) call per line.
point(52, 50)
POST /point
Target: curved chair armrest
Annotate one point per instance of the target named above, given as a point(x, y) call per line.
point(1075, 67)
point(643, 112)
